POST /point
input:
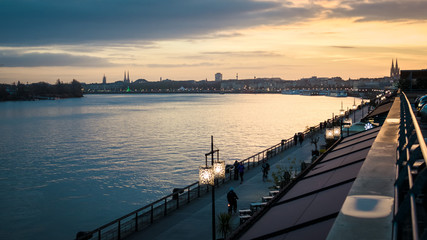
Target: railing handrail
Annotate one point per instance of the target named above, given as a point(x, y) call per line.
point(420, 137)
point(410, 177)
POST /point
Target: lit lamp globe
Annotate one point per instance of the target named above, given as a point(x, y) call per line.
point(206, 175)
point(329, 133)
point(219, 169)
point(337, 131)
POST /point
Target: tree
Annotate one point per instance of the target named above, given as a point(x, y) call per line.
point(224, 224)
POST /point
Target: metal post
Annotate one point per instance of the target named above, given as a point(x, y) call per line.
point(213, 197)
point(152, 214)
point(118, 231)
point(354, 116)
point(136, 222)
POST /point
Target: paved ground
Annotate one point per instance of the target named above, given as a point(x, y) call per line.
point(194, 221)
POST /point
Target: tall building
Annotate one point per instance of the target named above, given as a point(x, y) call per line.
point(126, 79)
point(394, 71)
point(218, 77)
point(104, 80)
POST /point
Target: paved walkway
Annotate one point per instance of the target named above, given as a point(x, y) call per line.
point(193, 221)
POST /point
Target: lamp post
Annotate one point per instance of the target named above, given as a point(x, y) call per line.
point(342, 112)
point(347, 124)
point(208, 175)
point(354, 109)
point(362, 109)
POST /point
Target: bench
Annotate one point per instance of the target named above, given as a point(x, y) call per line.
point(244, 218)
point(273, 193)
point(254, 206)
point(267, 198)
point(245, 212)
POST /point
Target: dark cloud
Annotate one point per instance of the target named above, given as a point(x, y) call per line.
point(384, 10)
point(28, 22)
point(10, 58)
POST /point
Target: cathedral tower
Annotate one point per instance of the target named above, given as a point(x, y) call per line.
point(394, 71)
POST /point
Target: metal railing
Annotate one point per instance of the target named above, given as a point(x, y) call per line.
point(145, 216)
point(410, 220)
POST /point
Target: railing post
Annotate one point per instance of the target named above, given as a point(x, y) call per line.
point(189, 195)
point(136, 222)
point(99, 234)
point(166, 206)
point(118, 230)
point(177, 200)
point(152, 214)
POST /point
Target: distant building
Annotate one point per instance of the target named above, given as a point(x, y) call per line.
point(394, 71)
point(126, 79)
point(218, 77)
point(104, 80)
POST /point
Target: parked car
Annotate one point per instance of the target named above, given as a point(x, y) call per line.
point(420, 105)
point(423, 113)
point(418, 99)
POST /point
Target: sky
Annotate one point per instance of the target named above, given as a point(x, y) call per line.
point(46, 40)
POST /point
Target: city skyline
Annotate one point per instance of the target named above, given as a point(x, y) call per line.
point(193, 40)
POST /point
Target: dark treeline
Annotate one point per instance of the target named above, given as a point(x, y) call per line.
point(40, 91)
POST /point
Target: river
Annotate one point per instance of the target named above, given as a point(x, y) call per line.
point(75, 164)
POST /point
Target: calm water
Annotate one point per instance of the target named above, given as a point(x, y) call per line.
point(76, 164)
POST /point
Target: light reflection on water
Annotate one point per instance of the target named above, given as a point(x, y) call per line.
point(75, 164)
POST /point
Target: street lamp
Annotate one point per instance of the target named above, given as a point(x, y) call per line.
point(347, 124)
point(329, 133)
point(337, 131)
point(208, 174)
point(342, 112)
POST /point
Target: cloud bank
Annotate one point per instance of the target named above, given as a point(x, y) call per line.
point(10, 58)
point(27, 22)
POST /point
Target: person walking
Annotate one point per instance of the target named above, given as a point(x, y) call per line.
point(236, 170)
point(295, 139)
point(265, 169)
point(301, 138)
point(232, 201)
point(241, 171)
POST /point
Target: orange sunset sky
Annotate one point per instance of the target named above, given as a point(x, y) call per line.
point(194, 39)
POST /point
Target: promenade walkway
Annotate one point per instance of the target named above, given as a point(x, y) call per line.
point(193, 221)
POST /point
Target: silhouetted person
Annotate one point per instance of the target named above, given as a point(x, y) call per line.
point(241, 171)
point(265, 169)
point(236, 170)
point(232, 201)
point(295, 139)
point(301, 138)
